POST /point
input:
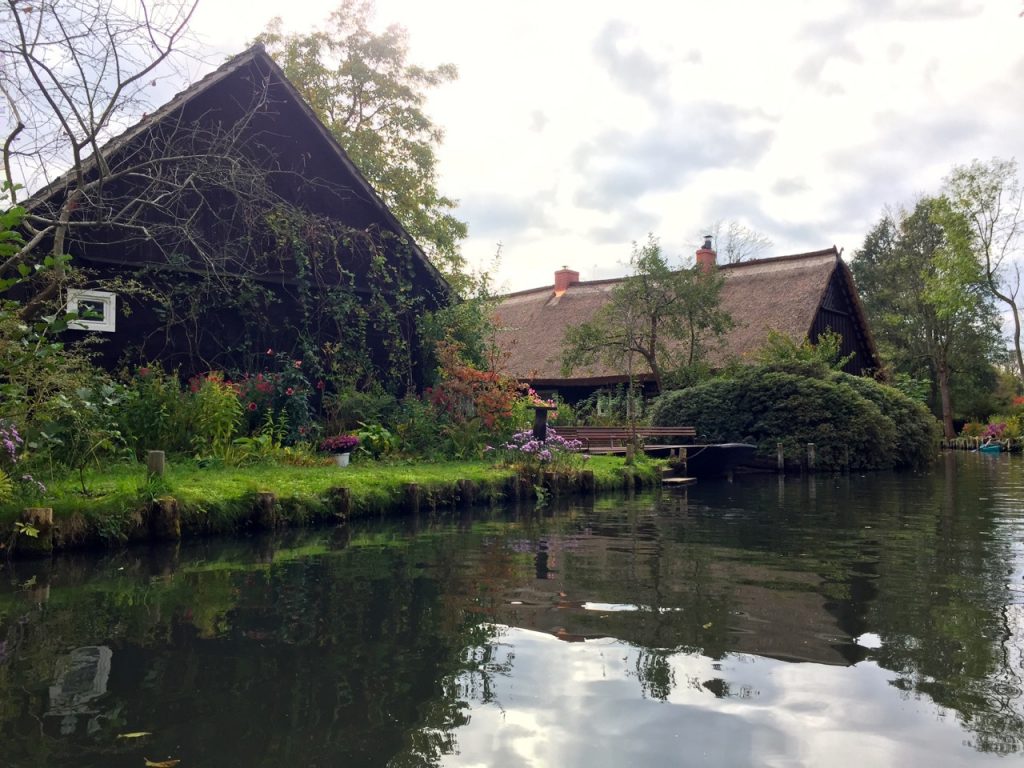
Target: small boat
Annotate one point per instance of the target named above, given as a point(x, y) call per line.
point(991, 448)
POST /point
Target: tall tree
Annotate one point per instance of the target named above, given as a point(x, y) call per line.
point(991, 197)
point(925, 294)
point(663, 317)
point(371, 98)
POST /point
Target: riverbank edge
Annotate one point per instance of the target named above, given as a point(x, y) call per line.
point(150, 516)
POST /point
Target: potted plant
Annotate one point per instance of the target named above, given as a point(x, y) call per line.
point(341, 446)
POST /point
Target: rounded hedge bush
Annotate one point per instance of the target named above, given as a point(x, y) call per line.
point(853, 422)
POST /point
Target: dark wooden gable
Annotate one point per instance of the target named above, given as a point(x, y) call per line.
point(839, 312)
point(249, 102)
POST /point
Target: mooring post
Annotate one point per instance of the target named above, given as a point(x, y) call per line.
point(155, 462)
point(412, 497)
point(40, 520)
point(810, 457)
point(165, 520)
point(266, 510)
point(780, 457)
point(540, 421)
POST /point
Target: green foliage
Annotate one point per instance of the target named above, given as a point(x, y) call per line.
point(917, 390)
point(611, 407)
point(779, 351)
point(990, 198)
point(280, 393)
point(348, 407)
point(155, 414)
point(658, 319)
point(418, 427)
point(371, 99)
point(82, 426)
point(6, 487)
point(875, 425)
point(26, 529)
point(217, 415)
point(925, 295)
point(377, 440)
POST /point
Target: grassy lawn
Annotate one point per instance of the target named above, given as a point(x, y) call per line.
point(221, 498)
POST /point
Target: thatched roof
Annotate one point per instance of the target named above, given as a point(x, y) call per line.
point(782, 294)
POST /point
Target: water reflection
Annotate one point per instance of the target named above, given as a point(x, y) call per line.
point(843, 620)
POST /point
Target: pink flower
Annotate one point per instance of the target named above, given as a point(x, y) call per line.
point(296, 363)
point(252, 406)
point(289, 391)
point(270, 351)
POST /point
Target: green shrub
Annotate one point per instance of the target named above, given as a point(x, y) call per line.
point(218, 415)
point(155, 414)
point(874, 426)
point(82, 426)
point(916, 427)
point(419, 428)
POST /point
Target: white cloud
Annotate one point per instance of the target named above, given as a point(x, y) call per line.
point(579, 128)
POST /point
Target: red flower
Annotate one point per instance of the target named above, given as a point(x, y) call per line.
point(143, 372)
point(289, 391)
point(320, 384)
point(252, 406)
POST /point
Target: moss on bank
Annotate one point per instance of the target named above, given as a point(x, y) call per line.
point(123, 505)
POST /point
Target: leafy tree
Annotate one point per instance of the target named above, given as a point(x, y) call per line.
point(925, 294)
point(361, 86)
point(662, 317)
point(991, 197)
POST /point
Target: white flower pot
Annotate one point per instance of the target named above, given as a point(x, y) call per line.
point(341, 459)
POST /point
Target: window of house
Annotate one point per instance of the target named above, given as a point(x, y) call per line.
point(97, 310)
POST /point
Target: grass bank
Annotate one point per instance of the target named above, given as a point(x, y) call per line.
point(124, 505)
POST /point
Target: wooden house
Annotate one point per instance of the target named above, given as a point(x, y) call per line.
point(231, 222)
point(801, 295)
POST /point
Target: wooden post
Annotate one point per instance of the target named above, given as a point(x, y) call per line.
point(155, 462)
point(412, 498)
point(266, 510)
point(467, 492)
point(341, 499)
point(810, 457)
point(587, 483)
point(40, 545)
point(540, 422)
point(165, 520)
point(780, 457)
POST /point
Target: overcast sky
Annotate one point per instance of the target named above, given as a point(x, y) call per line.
point(575, 128)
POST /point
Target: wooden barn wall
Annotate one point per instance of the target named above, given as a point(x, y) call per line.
point(837, 314)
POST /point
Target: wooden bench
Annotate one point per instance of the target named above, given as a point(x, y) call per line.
point(614, 439)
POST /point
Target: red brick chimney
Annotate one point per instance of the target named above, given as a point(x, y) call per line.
point(706, 256)
point(565, 277)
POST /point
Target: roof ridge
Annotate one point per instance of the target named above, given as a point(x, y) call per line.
point(739, 264)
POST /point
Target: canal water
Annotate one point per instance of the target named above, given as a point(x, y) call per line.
point(848, 620)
